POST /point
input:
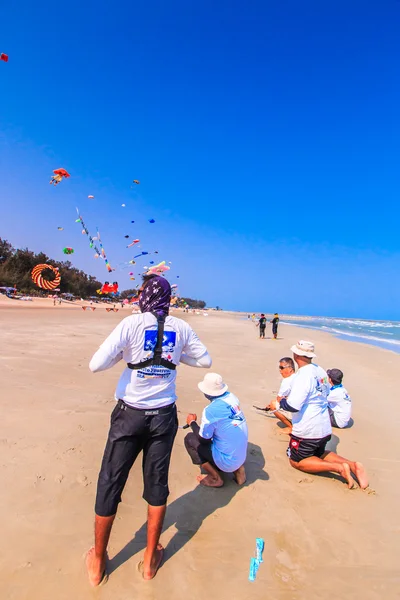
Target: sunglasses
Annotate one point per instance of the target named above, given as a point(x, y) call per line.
point(281, 368)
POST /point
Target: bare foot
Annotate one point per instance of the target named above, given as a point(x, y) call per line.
point(209, 481)
point(361, 475)
point(96, 567)
point(149, 566)
point(346, 474)
point(240, 475)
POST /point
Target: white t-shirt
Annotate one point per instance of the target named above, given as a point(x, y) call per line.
point(286, 386)
point(224, 422)
point(309, 396)
point(339, 402)
point(134, 340)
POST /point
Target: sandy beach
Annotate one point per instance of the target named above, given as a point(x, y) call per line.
point(322, 540)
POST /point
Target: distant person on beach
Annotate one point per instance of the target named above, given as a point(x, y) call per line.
point(275, 322)
point(220, 442)
point(145, 417)
point(339, 401)
point(262, 324)
point(287, 370)
point(311, 426)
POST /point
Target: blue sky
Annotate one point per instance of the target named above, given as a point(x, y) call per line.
point(265, 136)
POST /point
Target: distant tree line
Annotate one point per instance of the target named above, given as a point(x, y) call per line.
point(193, 303)
point(16, 267)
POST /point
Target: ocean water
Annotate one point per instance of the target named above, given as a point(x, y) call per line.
point(385, 334)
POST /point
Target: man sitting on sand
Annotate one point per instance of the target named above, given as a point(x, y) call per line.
point(339, 401)
point(287, 370)
point(308, 401)
point(144, 419)
point(221, 440)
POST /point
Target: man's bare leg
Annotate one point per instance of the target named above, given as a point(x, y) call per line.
point(285, 421)
point(154, 552)
point(240, 475)
point(355, 467)
point(317, 465)
point(96, 556)
point(212, 479)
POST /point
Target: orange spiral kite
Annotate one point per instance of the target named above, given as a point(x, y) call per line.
point(44, 283)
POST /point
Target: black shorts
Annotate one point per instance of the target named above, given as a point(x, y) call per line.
point(199, 452)
point(131, 431)
point(300, 448)
point(274, 329)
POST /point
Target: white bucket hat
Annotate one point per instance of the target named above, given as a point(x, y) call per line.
point(212, 385)
point(304, 348)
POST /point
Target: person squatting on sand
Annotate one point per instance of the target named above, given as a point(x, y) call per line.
point(145, 417)
point(287, 370)
point(311, 426)
point(220, 442)
point(339, 401)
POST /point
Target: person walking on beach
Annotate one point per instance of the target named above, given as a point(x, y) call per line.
point(145, 417)
point(220, 442)
point(311, 426)
point(262, 324)
point(275, 322)
point(287, 370)
point(339, 401)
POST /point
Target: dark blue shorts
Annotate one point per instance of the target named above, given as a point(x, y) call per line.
point(300, 448)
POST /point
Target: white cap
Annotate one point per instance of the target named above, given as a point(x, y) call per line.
point(304, 348)
point(212, 385)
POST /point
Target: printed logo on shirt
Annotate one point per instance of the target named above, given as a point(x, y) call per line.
point(321, 383)
point(168, 347)
point(236, 414)
point(168, 344)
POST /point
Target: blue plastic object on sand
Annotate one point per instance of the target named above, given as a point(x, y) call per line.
point(253, 568)
point(259, 549)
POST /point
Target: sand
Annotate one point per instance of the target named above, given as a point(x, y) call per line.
point(321, 539)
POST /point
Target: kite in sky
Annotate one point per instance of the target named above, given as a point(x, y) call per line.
point(68, 250)
point(60, 228)
point(99, 251)
point(91, 197)
point(45, 284)
point(141, 254)
point(159, 269)
point(151, 221)
point(4, 57)
point(109, 288)
point(58, 176)
point(132, 243)
point(136, 181)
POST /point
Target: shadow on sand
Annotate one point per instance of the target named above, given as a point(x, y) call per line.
point(188, 512)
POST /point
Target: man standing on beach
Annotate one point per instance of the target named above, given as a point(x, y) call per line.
point(311, 426)
point(275, 322)
point(262, 323)
point(145, 418)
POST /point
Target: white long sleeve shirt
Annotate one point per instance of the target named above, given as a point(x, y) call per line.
point(133, 341)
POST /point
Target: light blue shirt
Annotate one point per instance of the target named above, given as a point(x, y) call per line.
point(224, 423)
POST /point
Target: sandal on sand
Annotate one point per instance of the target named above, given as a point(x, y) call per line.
point(140, 566)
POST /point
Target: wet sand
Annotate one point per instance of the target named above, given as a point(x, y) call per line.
point(321, 539)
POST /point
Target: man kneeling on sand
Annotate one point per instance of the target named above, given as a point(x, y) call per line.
point(308, 402)
point(220, 442)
